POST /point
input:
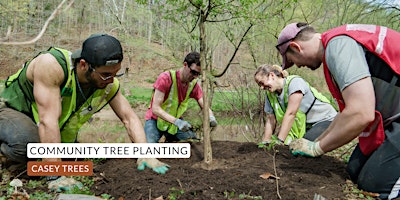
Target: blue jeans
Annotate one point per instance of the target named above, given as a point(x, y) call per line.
point(153, 134)
point(16, 131)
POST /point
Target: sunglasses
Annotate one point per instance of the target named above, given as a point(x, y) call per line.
point(105, 77)
point(290, 39)
point(194, 72)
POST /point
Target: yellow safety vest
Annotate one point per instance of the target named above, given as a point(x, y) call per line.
point(171, 105)
point(298, 128)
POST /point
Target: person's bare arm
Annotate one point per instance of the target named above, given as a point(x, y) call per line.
point(134, 127)
point(359, 98)
point(201, 104)
point(269, 128)
point(294, 102)
point(158, 99)
point(47, 75)
point(128, 117)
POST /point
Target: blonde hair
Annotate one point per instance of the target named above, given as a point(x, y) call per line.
point(265, 69)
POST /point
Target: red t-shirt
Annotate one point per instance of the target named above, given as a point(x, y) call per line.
point(164, 83)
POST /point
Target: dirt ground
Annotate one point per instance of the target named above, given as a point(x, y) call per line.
point(236, 173)
point(238, 167)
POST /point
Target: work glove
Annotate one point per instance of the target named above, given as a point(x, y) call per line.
point(305, 148)
point(263, 144)
point(182, 125)
point(153, 164)
point(274, 140)
point(213, 121)
point(63, 184)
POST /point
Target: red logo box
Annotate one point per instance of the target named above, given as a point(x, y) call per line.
point(63, 168)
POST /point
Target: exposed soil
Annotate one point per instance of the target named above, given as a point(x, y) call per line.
point(236, 166)
point(237, 169)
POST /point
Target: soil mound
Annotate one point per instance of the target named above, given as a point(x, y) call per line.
point(235, 174)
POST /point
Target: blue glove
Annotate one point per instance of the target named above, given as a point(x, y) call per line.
point(152, 163)
point(305, 148)
point(213, 121)
point(182, 125)
point(63, 184)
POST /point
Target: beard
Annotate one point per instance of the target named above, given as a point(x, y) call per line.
point(93, 83)
point(314, 66)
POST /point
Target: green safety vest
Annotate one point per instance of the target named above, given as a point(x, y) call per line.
point(298, 129)
point(18, 93)
point(171, 105)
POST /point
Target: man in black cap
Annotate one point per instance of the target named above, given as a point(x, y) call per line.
point(56, 92)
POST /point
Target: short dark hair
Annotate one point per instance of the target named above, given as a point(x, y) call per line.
point(193, 57)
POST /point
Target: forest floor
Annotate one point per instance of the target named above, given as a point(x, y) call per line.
point(239, 170)
point(234, 173)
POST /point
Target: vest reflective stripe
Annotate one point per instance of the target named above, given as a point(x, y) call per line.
point(298, 128)
point(98, 100)
point(378, 40)
point(171, 105)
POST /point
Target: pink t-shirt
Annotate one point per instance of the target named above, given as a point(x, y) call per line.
point(164, 83)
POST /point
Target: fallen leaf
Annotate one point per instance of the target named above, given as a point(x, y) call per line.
point(159, 198)
point(268, 175)
point(371, 194)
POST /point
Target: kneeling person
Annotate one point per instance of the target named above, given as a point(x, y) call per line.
point(172, 91)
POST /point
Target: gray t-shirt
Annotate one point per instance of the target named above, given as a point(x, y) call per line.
point(346, 62)
point(320, 111)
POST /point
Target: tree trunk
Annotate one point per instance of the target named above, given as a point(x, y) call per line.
point(205, 85)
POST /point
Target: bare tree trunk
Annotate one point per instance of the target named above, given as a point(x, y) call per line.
point(206, 81)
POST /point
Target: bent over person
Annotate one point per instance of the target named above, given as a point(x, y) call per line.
point(299, 109)
point(55, 93)
point(362, 69)
point(172, 91)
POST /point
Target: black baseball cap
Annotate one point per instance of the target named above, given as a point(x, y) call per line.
point(100, 50)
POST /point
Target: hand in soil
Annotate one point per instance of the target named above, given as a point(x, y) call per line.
point(63, 184)
point(305, 148)
point(153, 164)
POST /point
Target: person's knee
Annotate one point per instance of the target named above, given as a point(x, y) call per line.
point(15, 153)
point(151, 131)
point(355, 164)
point(186, 135)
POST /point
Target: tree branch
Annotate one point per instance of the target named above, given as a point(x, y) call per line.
point(236, 50)
point(46, 24)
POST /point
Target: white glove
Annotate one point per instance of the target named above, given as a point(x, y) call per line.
point(213, 121)
point(182, 125)
point(305, 148)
